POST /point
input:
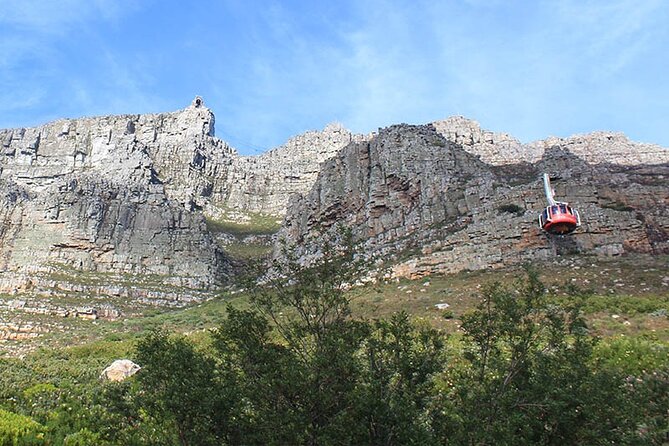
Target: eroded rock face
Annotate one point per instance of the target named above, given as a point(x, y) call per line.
point(265, 183)
point(109, 194)
point(424, 197)
point(501, 148)
point(128, 194)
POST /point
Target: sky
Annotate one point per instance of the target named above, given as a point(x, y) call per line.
point(270, 70)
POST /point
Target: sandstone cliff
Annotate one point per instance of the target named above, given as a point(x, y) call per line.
point(447, 196)
point(100, 194)
point(501, 148)
point(265, 183)
point(128, 194)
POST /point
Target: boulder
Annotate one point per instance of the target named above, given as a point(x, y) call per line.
point(120, 370)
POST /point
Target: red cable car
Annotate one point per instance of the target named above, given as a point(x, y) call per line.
point(558, 218)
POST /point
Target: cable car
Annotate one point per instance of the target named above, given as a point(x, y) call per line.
point(558, 217)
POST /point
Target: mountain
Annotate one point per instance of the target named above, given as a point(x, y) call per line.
point(150, 206)
point(128, 195)
point(449, 196)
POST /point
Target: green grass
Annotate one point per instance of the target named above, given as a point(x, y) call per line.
point(247, 251)
point(631, 289)
point(250, 224)
point(209, 314)
point(628, 305)
point(243, 226)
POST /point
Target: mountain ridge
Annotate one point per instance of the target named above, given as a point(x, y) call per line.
point(99, 194)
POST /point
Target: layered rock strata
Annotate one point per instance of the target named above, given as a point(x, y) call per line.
point(424, 197)
point(265, 183)
point(106, 195)
point(501, 148)
point(128, 194)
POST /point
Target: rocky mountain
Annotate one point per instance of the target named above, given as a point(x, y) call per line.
point(265, 183)
point(128, 195)
point(448, 196)
point(131, 197)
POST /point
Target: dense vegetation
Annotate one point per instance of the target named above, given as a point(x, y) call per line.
point(297, 368)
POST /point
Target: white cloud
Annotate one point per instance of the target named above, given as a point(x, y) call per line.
point(610, 34)
point(39, 43)
point(57, 17)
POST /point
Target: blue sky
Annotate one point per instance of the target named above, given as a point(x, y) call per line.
point(273, 69)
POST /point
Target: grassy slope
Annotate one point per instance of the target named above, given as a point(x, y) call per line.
point(626, 301)
point(248, 234)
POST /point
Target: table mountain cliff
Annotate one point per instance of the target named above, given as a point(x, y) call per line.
point(132, 195)
point(449, 196)
point(128, 195)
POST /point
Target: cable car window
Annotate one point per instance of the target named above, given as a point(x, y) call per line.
point(563, 208)
point(554, 210)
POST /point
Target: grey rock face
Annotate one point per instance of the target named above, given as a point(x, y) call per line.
point(129, 194)
point(265, 183)
point(106, 195)
point(402, 181)
point(594, 148)
point(124, 194)
point(420, 196)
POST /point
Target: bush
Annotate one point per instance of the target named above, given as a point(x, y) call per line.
point(17, 429)
point(629, 305)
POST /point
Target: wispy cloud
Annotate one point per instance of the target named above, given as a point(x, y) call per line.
point(528, 68)
point(611, 34)
point(51, 17)
point(38, 39)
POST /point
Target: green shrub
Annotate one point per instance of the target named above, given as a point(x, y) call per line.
point(83, 437)
point(18, 429)
point(618, 206)
point(448, 314)
point(632, 356)
point(629, 305)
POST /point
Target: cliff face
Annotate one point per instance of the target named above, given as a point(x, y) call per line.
point(594, 148)
point(424, 197)
point(265, 183)
point(128, 194)
point(106, 195)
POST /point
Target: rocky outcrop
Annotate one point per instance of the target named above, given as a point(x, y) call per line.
point(493, 148)
point(119, 370)
point(501, 148)
point(265, 183)
point(424, 198)
point(107, 195)
point(125, 194)
point(403, 180)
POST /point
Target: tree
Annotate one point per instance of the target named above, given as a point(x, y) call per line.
point(295, 350)
point(396, 386)
point(528, 378)
point(181, 389)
